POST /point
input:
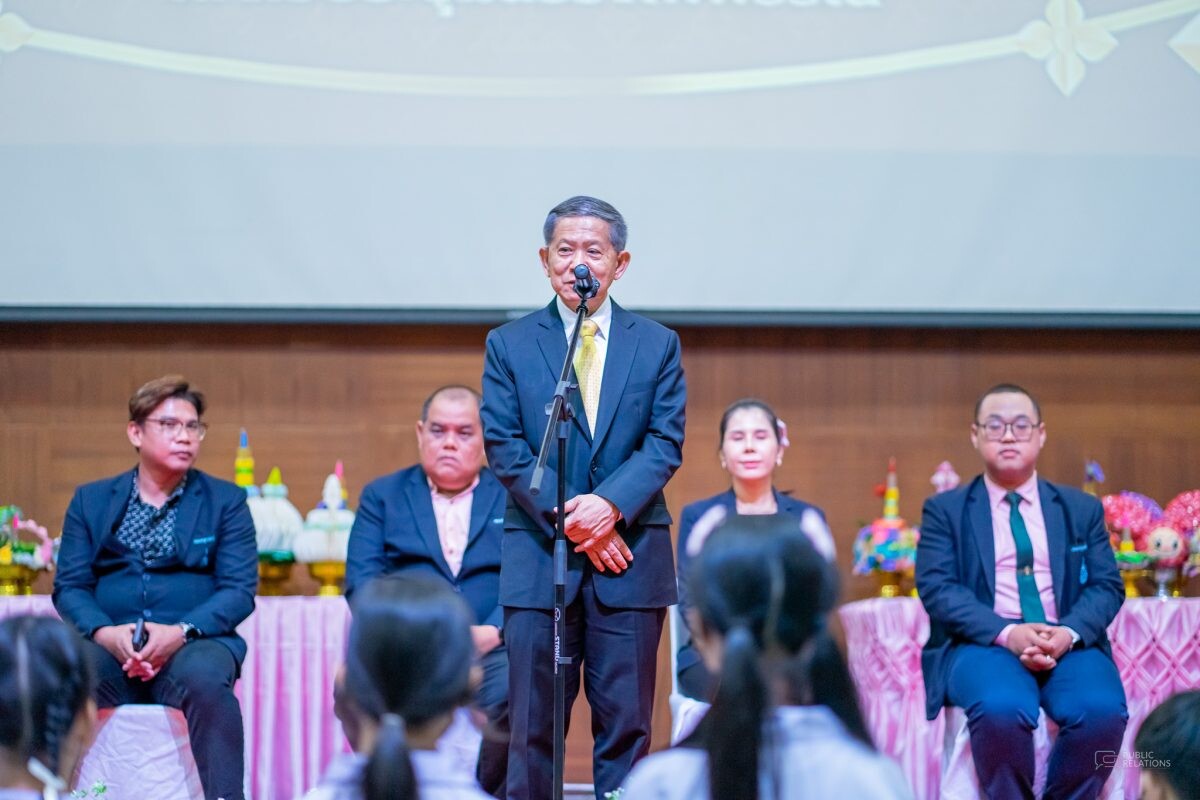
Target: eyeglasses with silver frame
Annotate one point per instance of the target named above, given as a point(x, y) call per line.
point(170, 426)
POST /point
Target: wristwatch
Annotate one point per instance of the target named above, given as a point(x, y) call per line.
point(190, 632)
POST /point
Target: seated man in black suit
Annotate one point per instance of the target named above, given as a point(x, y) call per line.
point(444, 517)
point(174, 548)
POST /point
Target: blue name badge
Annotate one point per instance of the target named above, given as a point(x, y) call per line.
point(204, 540)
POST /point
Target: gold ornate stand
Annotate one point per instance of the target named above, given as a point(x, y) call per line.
point(889, 583)
point(16, 579)
point(331, 575)
point(272, 575)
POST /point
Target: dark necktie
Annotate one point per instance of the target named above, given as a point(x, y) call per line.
point(1031, 600)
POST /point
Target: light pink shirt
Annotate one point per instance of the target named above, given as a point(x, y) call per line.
point(453, 515)
point(1007, 602)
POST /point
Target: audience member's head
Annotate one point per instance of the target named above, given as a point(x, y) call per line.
point(1168, 749)
point(1008, 433)
point(408, 665)
point(46, 712)
point(761, 595)
point(450, 438)
point(752, 441)
point(165, 426)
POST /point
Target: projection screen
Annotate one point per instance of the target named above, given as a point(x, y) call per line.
point(776, 159)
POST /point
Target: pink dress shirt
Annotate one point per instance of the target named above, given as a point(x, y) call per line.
point(1007, 602)
point(453, 515)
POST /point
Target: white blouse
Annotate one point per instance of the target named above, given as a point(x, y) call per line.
point(439, 777)
point(817, 758)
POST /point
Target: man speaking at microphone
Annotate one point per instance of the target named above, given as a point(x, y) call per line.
point(626, 441)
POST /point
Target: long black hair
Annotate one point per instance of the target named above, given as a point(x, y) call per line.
point(45, 682)
point(408, 661)
point(764, 588)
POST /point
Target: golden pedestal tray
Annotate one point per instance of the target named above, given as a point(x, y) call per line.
point(272, 575)
point(891, 583)
point(331, 575)
point(16, 579)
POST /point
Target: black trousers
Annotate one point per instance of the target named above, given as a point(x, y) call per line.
point(198, 680)
point(492, 699)
point(617, 651)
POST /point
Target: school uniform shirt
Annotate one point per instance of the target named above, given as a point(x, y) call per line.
point(815, 757)
point(439, 777)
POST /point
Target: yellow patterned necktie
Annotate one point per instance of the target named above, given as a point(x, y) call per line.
point(587, 370)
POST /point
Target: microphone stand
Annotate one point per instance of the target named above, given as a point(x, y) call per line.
point(558, 425)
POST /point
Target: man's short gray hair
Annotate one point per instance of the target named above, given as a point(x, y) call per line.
point(584, 206)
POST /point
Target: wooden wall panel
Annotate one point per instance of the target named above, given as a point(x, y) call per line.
point(310, 394)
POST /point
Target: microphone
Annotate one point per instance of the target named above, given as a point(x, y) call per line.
point(586, 285)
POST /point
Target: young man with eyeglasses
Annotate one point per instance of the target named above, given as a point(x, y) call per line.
point(173, 548)
point(1020, 583)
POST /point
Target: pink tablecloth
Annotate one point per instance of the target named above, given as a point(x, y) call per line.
point(1156, 645)
point(286, 688)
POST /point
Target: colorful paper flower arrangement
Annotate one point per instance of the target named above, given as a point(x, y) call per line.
point(1146, 536)
point(888, 544)
point(36, 551)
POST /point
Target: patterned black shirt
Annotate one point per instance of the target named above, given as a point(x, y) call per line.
point(148, 530)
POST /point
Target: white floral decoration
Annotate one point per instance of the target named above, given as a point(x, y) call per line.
point(14, 31)
point(1187, 43)
point(1064, 41)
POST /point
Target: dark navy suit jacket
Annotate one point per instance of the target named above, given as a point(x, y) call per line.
point(956, 574)
point(209, 580)
point(688, 656)
point(395, 530)
point(636, 449)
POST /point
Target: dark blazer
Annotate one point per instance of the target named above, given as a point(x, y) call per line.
point(956, 573)
point(395, 530)
point(688, 656)
point(208, 581)
point(637, 448)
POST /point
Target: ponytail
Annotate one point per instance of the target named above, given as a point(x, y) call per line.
point(408, 662)
point(759, 583)
point(45, 682)
point(734, 726)
point(389, 773)
point(819, 676)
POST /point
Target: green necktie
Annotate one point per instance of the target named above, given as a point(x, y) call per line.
point(1031, 600)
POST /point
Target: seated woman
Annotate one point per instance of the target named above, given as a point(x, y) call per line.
point(408, 667)
point(752, 442)
point(785, 722)
point(47, 715)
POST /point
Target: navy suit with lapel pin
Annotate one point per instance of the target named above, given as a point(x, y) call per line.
point(208, 580)
point(396, 532)
point(956, 579)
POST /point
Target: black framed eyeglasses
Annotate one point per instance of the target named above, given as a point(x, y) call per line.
point(993, 428)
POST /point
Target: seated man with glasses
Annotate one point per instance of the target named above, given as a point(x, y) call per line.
point(1020, 583)
point(166, 551)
